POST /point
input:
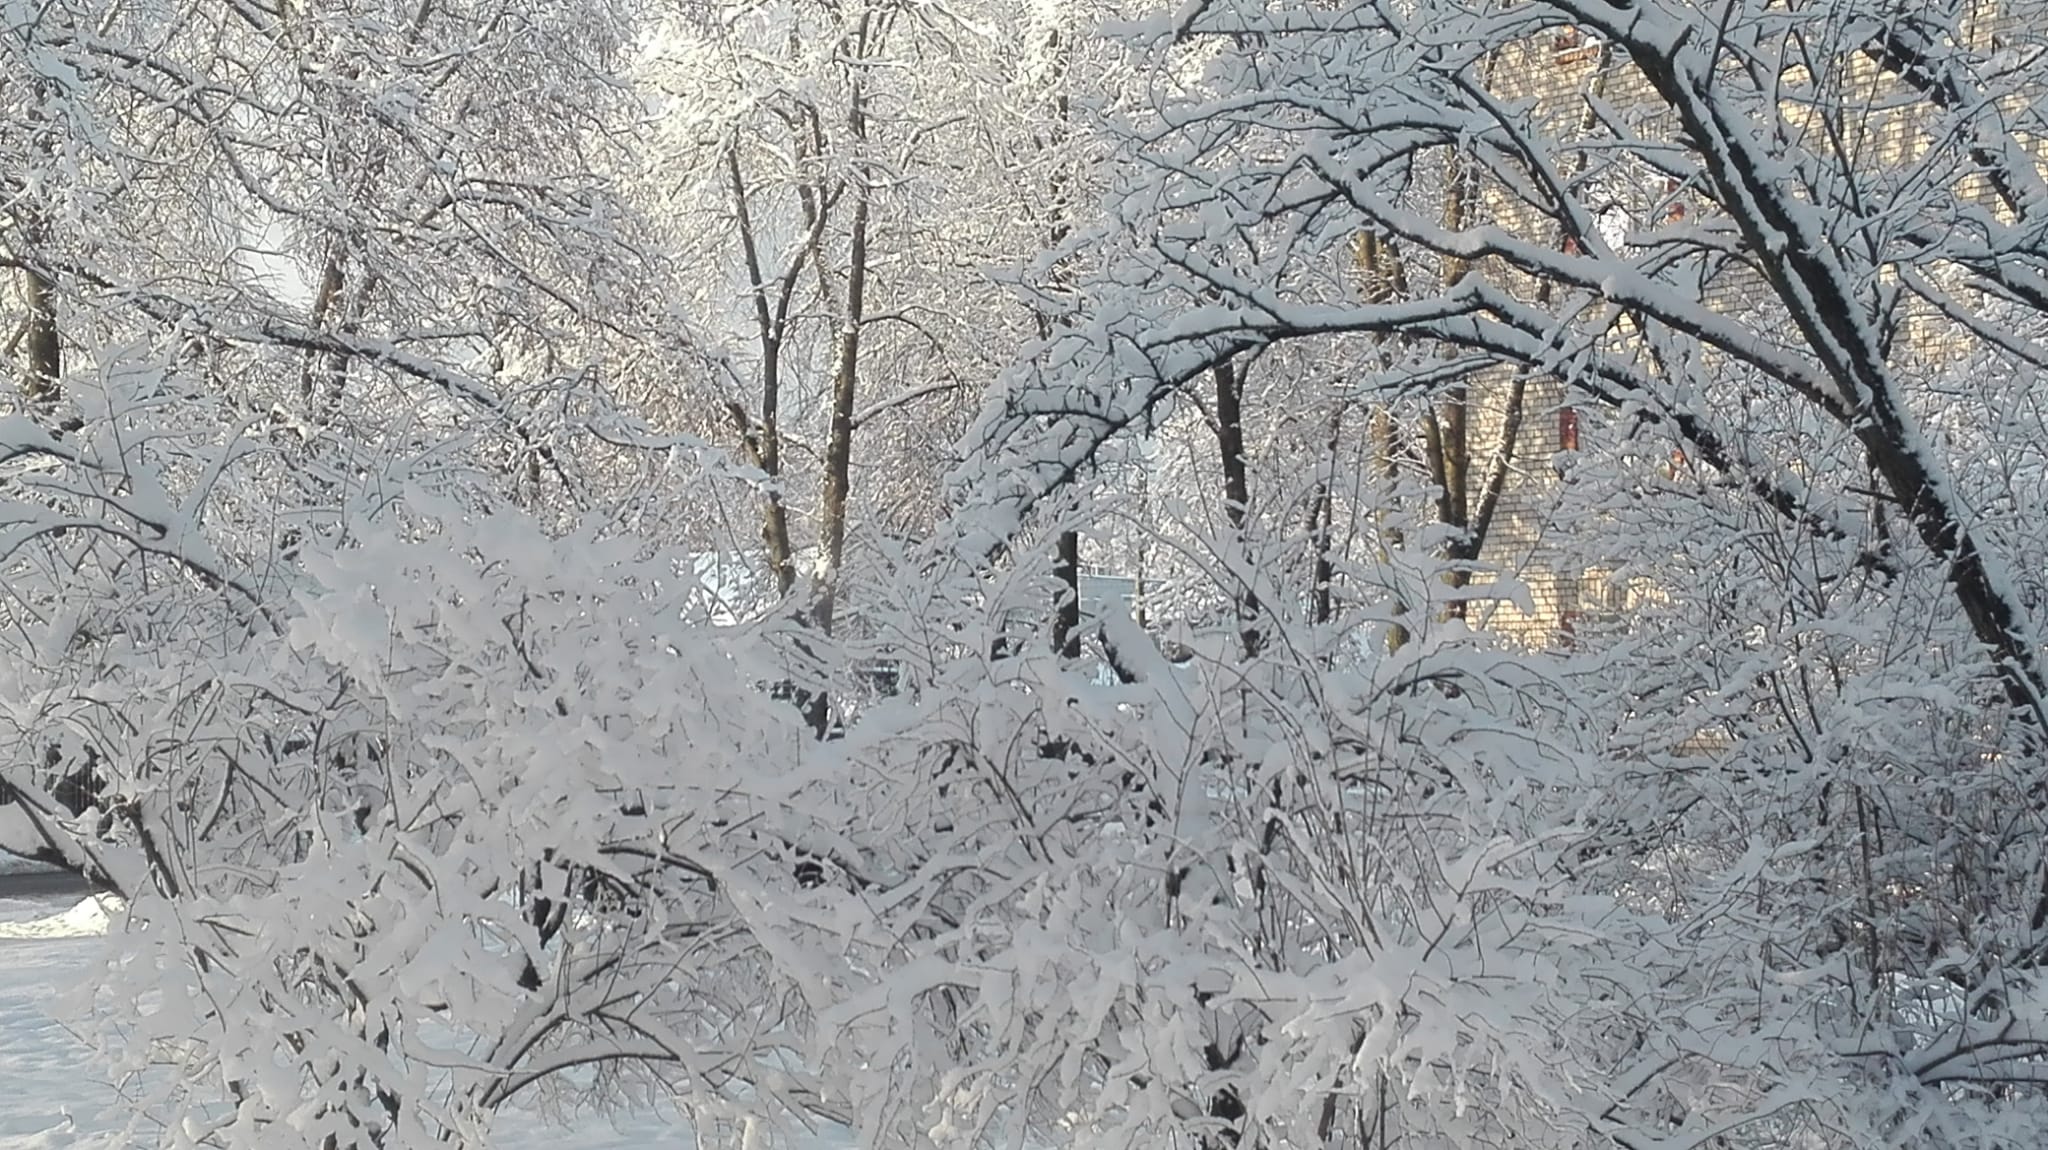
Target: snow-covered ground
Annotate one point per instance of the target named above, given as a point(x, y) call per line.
point(52, 1094)
point(52, 1097)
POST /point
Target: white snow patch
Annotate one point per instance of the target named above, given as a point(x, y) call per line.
point(56, 1097)
point(86, 920)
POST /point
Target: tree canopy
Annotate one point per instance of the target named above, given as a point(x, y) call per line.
point(1301, 573)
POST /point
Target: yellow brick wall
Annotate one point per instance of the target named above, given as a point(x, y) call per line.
point(1557, 70)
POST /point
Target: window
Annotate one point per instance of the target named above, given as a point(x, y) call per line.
point(1573, 45)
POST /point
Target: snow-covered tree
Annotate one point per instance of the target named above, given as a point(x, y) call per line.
point(1782, 256)
point(449, 435)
